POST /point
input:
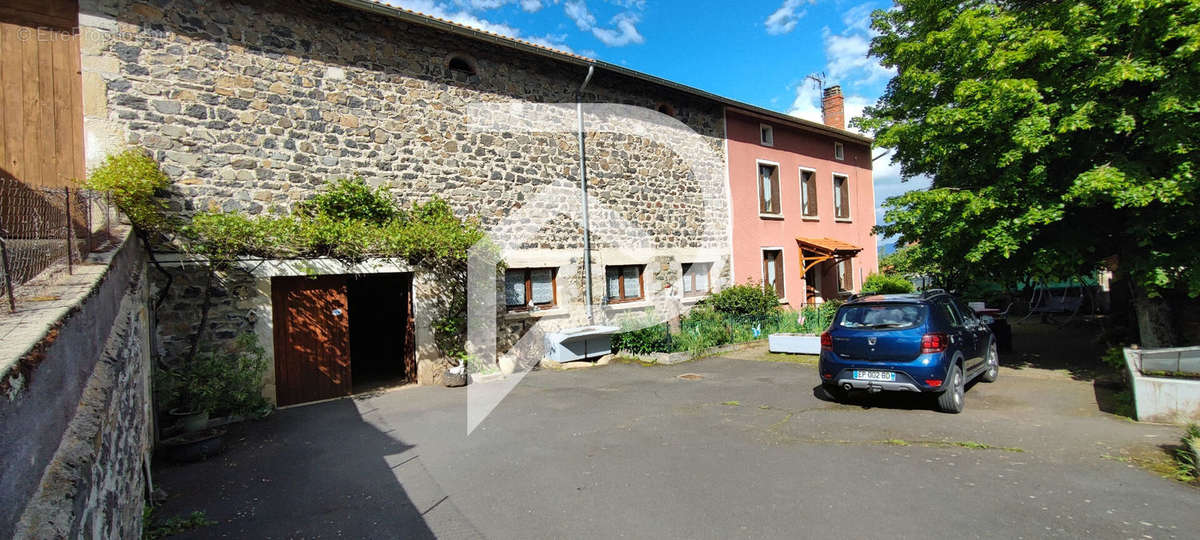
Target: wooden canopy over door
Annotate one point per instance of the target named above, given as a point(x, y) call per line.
point(312, 338)
point(814, 251)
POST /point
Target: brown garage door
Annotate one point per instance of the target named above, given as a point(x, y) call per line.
point(312, 343)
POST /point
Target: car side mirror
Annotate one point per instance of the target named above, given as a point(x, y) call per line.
point(987, 319)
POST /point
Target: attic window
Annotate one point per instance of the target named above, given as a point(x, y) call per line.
point(461, 67)
point(839, 152)
point(766, 135)
point(666, 109)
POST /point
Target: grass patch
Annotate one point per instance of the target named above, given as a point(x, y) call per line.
point(733, 403)
point(971, 445)
point(154, 528)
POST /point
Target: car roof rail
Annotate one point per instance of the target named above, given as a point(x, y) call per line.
point(932, 292)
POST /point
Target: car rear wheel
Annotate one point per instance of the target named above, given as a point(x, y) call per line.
point(993, 364)
point(951, 399)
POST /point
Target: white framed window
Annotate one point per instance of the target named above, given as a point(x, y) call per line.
point(769, 198)
point(808, 193)
point(841, 197)
point(766, 135)
point(839, 151)
point(772, 271)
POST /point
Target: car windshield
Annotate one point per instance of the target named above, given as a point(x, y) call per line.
point(881, 316)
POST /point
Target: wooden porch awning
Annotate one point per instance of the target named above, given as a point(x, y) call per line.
point(814, 251)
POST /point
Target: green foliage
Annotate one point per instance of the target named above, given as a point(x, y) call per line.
point(1187, 462)
point(745, 300)
point(650, 339)
point(154, 529)
point(1056, 134)
point(426, 231)
point(132, 179)
point(227, 381)
point(1114, 357)
point(351, 199)
point(886, 284)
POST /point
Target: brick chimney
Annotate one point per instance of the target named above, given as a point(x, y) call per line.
point(832, 111)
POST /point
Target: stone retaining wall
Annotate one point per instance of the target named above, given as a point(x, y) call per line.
point(78, 430)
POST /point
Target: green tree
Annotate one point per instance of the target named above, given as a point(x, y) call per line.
point(1056, 134)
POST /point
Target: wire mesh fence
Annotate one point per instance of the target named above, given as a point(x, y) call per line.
point(702, 329)
point(44, 229)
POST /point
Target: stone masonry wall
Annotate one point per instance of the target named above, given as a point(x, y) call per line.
point(252, 106)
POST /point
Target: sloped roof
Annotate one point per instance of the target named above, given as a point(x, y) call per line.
point(416, 17)
point(829, 245)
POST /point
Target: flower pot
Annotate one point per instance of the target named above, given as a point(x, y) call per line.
point(194, 446)
point(190, 421)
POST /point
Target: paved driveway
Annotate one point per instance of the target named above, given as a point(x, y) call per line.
point(746, 450)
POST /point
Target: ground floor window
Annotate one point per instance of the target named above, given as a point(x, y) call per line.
point(773, 270)
point(624, 283)
point(845, 272)
point(528, 288)
point(696, 279)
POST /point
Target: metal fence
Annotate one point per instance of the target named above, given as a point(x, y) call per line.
point(44, 229)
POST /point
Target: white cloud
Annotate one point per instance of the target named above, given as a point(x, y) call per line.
point(846, 57)
point(807, 104)
point(624, 29)
point(784, 19)
point(553, 41)
point(531, 5)
point(578, 12)
point(625, 33)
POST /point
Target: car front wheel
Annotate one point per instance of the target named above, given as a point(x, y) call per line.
point(951, 399)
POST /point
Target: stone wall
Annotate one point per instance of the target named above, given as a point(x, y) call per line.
point(252, 106)
point(78, 431)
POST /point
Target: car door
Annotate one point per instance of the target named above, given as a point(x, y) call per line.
point(973, 341)
point(960, 338)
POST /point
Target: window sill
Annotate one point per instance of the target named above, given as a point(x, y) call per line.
point(552, 312)
point(843, 220)
point(770, 216)
point(693, 298)
point(623, 306)
point(810, 218)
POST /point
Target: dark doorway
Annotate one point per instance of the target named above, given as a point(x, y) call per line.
point(381, 330)
point(336, 335)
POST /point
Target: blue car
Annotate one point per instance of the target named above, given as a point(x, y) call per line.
point(926, 342)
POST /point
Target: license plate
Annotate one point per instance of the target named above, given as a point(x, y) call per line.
point(875, 375)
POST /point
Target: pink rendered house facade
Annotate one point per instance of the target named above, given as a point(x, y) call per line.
point(802, 204)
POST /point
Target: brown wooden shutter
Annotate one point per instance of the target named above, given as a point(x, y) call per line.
point(847, 275)
point(810, 188)
point(775, 207)
point(779, 273)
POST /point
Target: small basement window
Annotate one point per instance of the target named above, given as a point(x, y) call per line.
point(766, 135)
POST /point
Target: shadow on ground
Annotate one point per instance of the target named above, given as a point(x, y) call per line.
point(1074, 347)
point(266, 481)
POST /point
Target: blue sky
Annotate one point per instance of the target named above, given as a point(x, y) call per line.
point(759, 52)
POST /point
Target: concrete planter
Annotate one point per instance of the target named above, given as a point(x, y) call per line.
point(1162, 399)
point(794, 343)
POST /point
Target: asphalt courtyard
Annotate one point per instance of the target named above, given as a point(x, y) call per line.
point(716, 448)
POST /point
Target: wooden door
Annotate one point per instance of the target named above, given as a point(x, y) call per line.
point(312, 338)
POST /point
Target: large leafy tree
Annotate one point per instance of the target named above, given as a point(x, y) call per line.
point(1057, 134)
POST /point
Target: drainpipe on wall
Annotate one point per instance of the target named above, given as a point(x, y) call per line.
point(587, 235)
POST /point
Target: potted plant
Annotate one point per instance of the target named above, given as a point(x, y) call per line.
point(227, 382)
